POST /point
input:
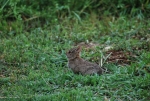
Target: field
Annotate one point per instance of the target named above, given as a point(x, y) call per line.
point(33, 62)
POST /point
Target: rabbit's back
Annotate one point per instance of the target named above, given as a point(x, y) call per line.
point(92, 68)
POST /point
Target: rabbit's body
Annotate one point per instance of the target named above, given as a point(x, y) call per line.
point(79, 65)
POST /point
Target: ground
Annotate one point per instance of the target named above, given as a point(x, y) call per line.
point(34, 64)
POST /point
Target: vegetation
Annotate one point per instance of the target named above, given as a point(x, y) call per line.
point(35, 35)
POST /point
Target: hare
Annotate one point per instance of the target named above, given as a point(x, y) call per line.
point(79, 65)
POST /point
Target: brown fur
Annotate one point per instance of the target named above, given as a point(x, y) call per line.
point(79, 65)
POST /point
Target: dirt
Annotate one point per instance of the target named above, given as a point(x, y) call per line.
point(120, 57)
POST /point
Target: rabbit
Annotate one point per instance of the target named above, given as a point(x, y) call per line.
point(79, 65)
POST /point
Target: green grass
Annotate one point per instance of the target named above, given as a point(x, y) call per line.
point(34, 65)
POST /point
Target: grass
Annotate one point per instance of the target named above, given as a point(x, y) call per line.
point(34, 65)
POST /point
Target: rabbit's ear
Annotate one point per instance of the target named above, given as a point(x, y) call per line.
point(79, 48)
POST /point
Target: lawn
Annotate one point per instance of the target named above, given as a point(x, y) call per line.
point(33, 64)
point(34, 39)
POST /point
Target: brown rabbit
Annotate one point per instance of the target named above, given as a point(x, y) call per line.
point(79, 65)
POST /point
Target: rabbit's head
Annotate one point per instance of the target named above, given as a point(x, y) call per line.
point(74, 53)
